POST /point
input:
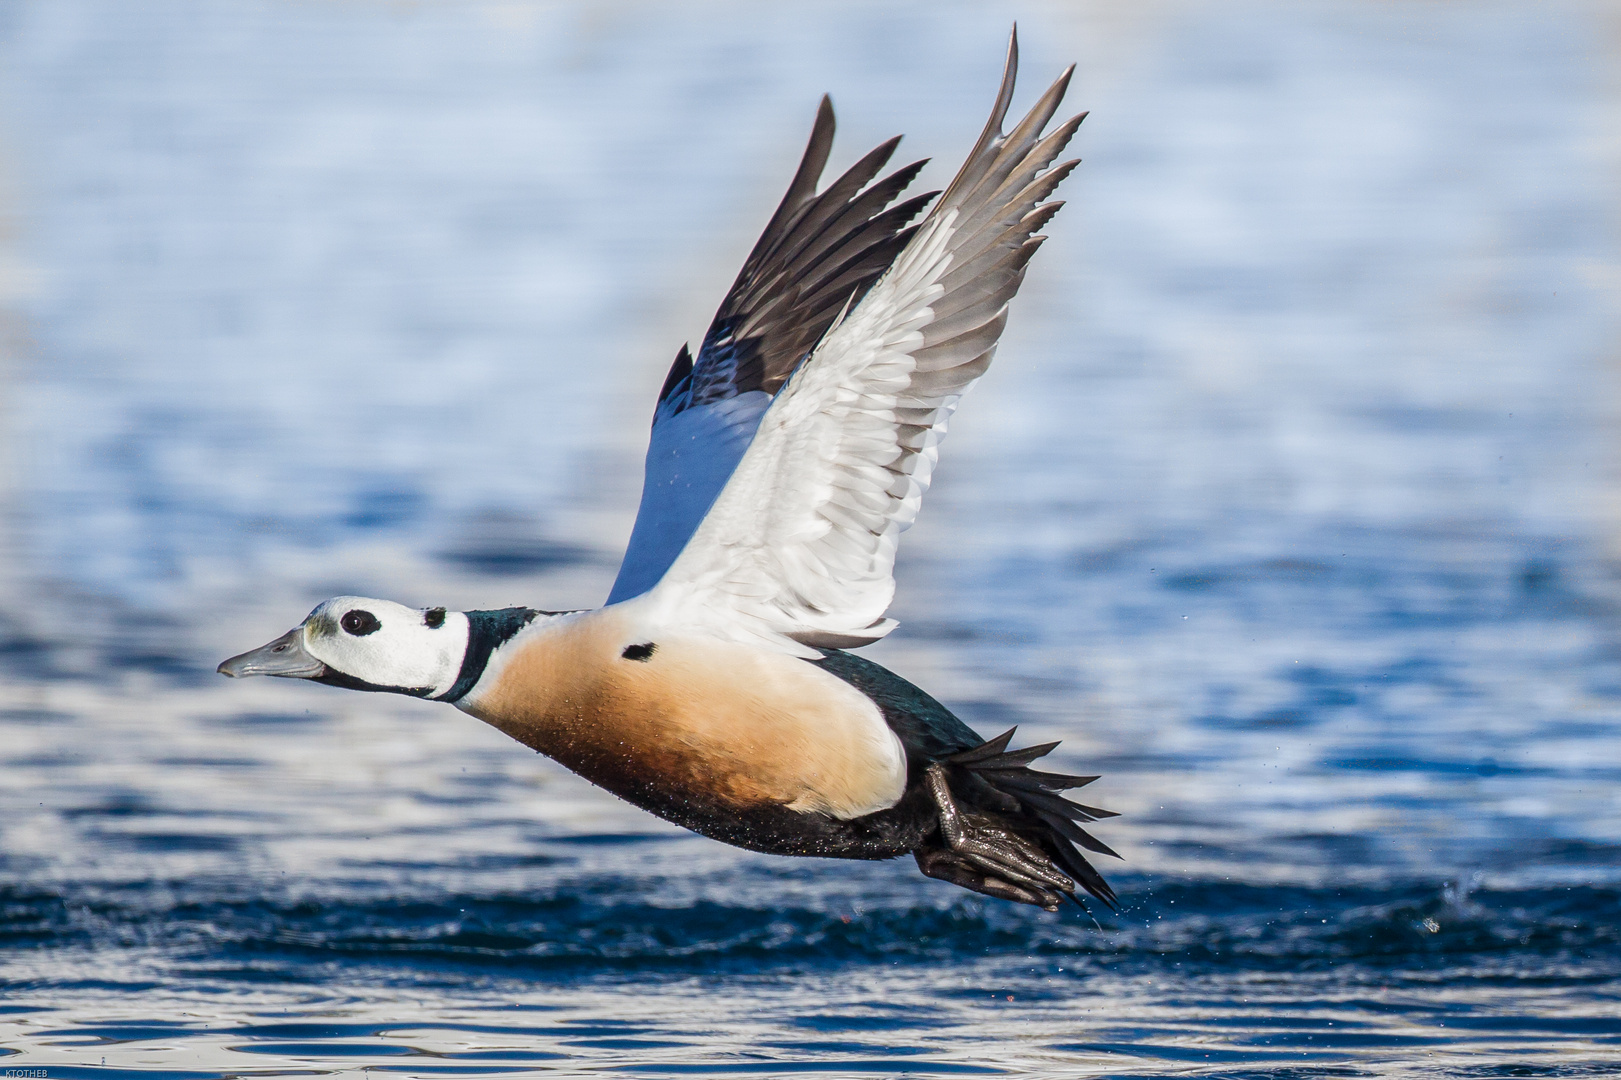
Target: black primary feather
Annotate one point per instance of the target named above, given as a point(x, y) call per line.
point(817, 253)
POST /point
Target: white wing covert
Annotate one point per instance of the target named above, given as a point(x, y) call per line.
point(800, 545)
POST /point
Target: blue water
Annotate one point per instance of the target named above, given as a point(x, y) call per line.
point(1291, 505)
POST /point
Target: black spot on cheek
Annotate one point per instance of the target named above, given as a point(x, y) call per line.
point(434, 618)
point(642, 652)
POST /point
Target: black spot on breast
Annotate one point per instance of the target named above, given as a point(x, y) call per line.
point(642, 652)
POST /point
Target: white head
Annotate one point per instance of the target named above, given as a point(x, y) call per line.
point(366, 644)
point(388, 645)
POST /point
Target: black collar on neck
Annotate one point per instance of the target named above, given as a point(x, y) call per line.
point(486, 632)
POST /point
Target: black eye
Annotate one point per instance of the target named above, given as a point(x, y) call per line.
point(434, 617)
point(360, 623)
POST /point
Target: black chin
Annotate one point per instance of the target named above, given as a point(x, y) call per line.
point(349, 682)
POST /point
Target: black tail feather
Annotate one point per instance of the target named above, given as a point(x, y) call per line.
point(984, 750)
point(1051, 780)
point(1048, 817)
point(1034, 782)
point(1097, 812)
point(1074, 832)
point(1018, 759)
point(1054, 804)
point(980, 793)
point(1059, 805)
point(1076, 866)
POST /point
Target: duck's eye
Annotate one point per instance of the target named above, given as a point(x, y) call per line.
point(359, 623)
point(434, 618)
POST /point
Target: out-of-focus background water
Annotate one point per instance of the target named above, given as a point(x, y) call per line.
point(1290, 505)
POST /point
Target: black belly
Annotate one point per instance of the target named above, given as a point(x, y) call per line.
point(776, 830)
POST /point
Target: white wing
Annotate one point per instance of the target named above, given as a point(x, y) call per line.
point(801, 542)
point(816, 250)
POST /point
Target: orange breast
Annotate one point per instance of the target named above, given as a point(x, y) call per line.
point(700, 719)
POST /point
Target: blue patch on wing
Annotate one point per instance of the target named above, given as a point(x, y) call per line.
point(693, 452)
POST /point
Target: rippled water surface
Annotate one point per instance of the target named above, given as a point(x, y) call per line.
point(1290, 506)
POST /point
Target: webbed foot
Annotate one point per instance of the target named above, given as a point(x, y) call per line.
point(942, 864)
point(986, 857)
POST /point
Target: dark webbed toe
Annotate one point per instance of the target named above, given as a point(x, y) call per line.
point(1001, 851)
point(948, 866)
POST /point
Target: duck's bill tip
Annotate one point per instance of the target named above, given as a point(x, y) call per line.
point(283, 658)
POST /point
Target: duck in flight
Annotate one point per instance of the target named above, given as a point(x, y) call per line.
point(714, 688)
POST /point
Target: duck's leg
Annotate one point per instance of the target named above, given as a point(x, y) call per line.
point(987, 858)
